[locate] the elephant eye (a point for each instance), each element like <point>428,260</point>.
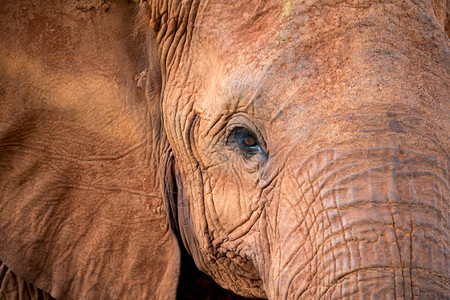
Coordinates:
<point>246,142</point>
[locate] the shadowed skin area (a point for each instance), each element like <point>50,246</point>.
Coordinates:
<point>279,149</point>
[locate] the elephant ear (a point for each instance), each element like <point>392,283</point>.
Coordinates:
<point>82,213</point>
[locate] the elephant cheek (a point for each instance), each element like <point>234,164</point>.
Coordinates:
<point>370,224</point>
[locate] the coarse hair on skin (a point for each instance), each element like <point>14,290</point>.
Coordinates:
<point>141,18</point>
<point>141,26</point>
<point>151,13</point>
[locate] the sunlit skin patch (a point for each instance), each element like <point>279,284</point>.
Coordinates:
<point>289,87</point>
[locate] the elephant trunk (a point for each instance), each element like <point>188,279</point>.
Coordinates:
<point>370,222</point>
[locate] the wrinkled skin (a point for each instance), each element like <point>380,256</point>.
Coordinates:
<point>295,149</point>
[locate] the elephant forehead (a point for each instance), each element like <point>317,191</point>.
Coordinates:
<point>272,51</point>
<point>286,54</point>
<point>256,26</point>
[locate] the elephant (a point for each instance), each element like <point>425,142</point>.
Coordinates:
<point>280,149</point>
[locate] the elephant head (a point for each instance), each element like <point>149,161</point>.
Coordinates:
<point>291,149</point>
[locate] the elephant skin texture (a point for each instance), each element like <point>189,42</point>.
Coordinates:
<point>278,149</point>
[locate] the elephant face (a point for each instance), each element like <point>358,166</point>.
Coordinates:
<point>292,149</point>
<point>302,159</point>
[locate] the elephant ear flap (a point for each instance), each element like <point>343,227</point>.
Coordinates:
<point>82,213</point>
<point>171,194</point>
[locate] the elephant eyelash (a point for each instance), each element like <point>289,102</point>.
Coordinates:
<point>246,142</point>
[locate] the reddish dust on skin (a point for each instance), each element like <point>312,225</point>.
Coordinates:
<point>118,179</point>
<point>334,77</point>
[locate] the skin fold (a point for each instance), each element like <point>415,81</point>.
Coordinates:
<point>224,149</point>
